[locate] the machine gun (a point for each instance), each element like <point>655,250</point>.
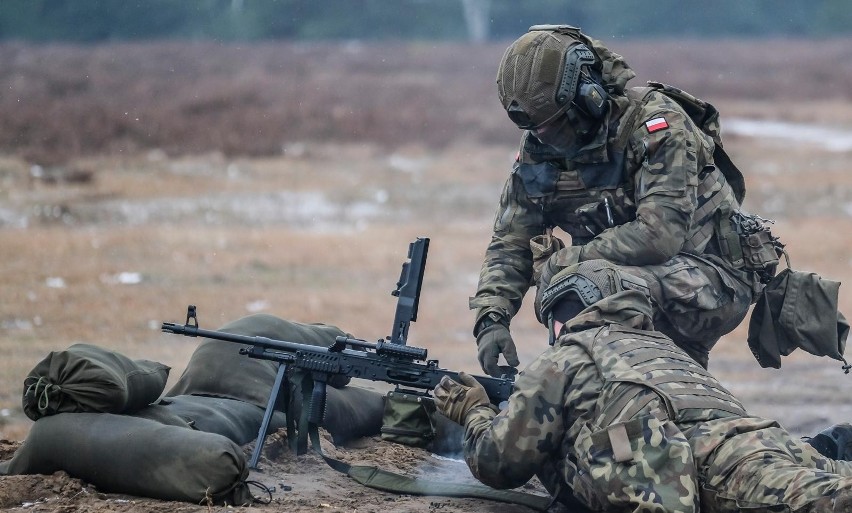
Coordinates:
<point>389,360</point>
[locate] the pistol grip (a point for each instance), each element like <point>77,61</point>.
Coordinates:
<point>317,412</point>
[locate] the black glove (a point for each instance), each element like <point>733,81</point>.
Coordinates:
<point>493,339</point>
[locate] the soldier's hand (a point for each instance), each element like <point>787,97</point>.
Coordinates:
<point>455,399</point>
<point>492,341</point>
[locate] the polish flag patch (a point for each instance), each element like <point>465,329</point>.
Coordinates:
<point>656,124</point>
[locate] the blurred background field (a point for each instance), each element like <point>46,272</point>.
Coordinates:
<point>288,177</point>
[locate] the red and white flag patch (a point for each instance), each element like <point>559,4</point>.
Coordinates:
<point>656,124</point>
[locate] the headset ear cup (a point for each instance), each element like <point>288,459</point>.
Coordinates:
<point>593,99</point>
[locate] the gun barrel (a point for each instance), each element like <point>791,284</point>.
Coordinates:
<point>262,342</point>
<point>177,329</point>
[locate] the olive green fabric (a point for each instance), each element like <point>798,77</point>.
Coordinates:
<point>88,378</point>
<point>217,368</point>
<point>236,420</point>
<point>135,456</point>
<point>408,419</point>
<point>797,310</point>
<point>352,412</point>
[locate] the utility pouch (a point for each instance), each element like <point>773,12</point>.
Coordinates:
<point>408,419</point>
<point>747,242</point>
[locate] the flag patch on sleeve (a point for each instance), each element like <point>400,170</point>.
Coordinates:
<point>656,124</point>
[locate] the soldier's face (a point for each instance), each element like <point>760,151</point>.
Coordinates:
<point>559,133</point>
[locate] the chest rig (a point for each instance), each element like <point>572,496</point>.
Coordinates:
<point>563,187</point>
<point>652,367</point>
<point>586,198</point>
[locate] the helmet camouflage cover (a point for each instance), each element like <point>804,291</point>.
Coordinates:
<point>533,83</point>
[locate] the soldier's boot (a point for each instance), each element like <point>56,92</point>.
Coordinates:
<point>834,442</point>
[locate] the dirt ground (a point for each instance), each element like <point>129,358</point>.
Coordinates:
<point>104,238</point>
<point>296,483</point>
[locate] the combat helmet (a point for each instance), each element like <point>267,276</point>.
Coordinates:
<point>579,286</point>
<point>556,69</point>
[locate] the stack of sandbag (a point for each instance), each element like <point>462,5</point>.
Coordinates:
<point>85,401</point>
<point>136,456</point>
<point>101,418</point>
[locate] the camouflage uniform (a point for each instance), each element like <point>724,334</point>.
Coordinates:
<point>616,417</point>
<point>643,193</point>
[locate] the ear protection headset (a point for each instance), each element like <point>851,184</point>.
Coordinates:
<point>582,87</point>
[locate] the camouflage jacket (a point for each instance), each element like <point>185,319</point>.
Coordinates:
<point>643,190</point>
<point>606,372</point>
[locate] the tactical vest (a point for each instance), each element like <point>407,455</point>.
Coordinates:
<point>583,199</point>
<point>660,370</point>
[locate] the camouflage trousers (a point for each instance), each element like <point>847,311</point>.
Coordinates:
<point>697,300</point>
<point>752,464</point>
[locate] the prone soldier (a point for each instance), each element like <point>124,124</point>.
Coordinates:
<point>616,417</point>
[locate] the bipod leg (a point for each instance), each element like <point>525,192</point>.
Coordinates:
<point>280,382</point>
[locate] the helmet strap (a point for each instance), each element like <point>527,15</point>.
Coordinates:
<point>551,328</point>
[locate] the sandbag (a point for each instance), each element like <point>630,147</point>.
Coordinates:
<point>88,378</point>
<point>217,369</point>
<point>236,420</point>
<point>135,456</point>
<point>352,413</point>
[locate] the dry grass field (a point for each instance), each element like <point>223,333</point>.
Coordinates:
<point>289,179</point>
